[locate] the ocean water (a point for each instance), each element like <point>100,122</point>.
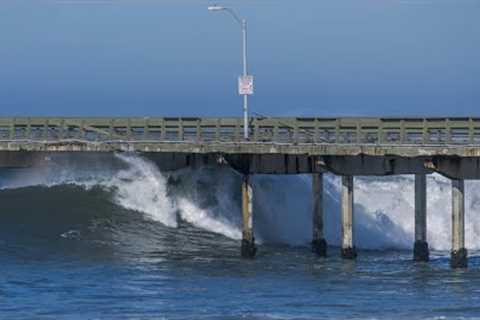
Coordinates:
<point>118,239</point>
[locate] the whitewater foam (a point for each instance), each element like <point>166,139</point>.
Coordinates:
<point>141,187</point>
<point>209,198</point>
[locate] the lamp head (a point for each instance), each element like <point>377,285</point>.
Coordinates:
<point>216,8</point>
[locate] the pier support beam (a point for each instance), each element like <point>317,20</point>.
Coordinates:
<point>319,245</point>
<point>248,249</point>
<point>420,248</point>
<point>348,249</point>
<point>459,253</point>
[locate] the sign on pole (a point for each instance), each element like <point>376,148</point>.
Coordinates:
<point>245,85</point>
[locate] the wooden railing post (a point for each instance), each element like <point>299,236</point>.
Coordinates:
<point>380,132</point>
<point>275,132</point>
<point>359,132</point>
<point>295,133</point>
<point>255,129</point>
<point>337,131</point>
<point>425,137</point>
<point>29,128</point>
<point>163,129</point>
<point>45,130</point>
<point>402,131</point>
<point>217,130</point>
<point>448,131</point>
<point>180,129</point>
<point>12,129</point>
<point>61,129</point>
<point>129,129</point>
<point>471,131</point>
<point>146,131</point>
<point>111,129</point>
<point>82,129</point>
<point>199,129</point>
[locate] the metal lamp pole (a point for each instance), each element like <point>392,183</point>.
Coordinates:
<point>245,82</point>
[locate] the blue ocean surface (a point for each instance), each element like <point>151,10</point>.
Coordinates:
<point>76,248</point>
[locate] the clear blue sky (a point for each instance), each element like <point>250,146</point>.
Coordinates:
<point>173,57</point>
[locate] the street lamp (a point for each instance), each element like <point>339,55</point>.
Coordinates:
<point>245,82</point>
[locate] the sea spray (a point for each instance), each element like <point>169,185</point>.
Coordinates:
<point>143,188</point>
<point>209,198</point>
<point>206,198</point>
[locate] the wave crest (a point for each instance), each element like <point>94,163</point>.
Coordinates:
<point>209,198</point>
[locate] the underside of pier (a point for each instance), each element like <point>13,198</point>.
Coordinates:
<point>451,166</point>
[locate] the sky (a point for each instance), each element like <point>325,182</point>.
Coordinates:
<point>175,58</point>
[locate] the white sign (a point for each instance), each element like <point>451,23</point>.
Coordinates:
<point>245,85</point>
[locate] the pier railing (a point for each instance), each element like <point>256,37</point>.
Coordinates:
<point>434,131</point>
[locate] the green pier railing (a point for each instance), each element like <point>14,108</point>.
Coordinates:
<point>434,131</point>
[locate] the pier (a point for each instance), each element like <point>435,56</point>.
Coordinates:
<point>347,147</point>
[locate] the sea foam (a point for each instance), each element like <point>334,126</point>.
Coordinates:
<point>209,198</point>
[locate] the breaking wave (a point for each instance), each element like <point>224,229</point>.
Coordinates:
<point>208,198</point>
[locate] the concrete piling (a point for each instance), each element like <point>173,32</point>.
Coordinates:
<point>420,248</point>
<point>248,249</point>
<point>319,244</point>
<point>348,249</point>
<point>458,253</point>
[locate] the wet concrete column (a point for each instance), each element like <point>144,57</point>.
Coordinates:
<point>420,248</point>
<point>248,249</point>
<point>459,253</point>
<point>348,249</point>
<point>319,245</point>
